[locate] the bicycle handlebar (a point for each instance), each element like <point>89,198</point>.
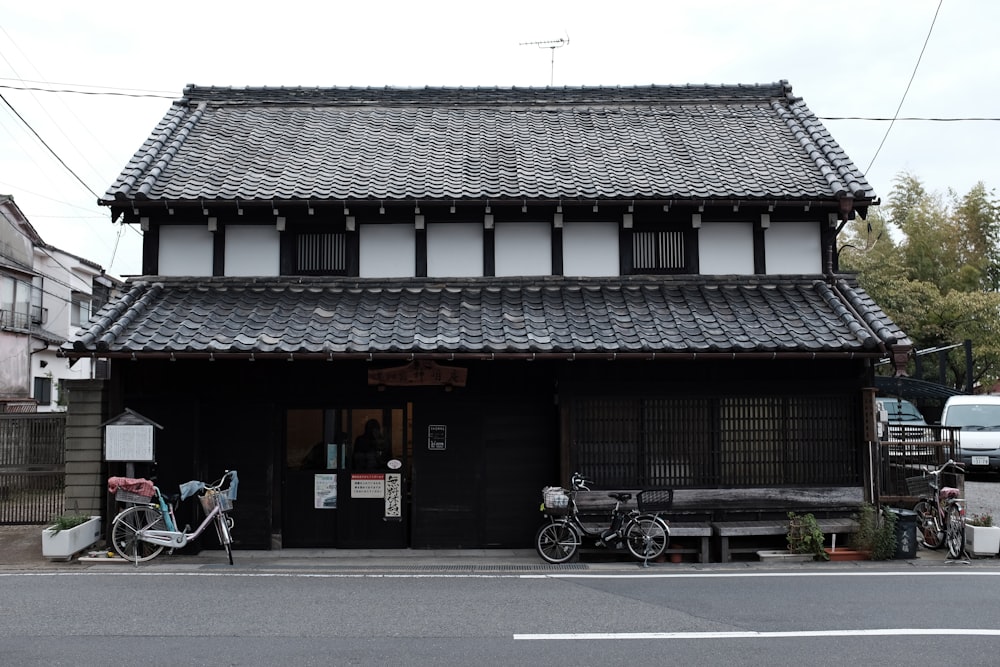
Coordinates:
<point>580,483</point>
<point>950,462</point>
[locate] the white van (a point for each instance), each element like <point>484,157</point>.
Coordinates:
<point>978,417</point>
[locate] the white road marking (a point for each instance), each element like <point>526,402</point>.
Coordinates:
<point>140,572</point>
<point>874,632</point>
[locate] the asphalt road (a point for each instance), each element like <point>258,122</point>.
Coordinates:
<point>214,617</point>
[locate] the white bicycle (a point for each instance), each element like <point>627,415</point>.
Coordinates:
<point>141,532</point>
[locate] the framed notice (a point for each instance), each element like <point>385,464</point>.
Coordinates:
<point>437,437</point>
<point>325,491</point>
<point>128,442</point>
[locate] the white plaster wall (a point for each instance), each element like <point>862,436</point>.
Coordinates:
<point>387,251</point>
<point>185,250</point>
<point>523,248</point>
<point>725,248</point>
<point>793,248</point>
<point>590,249</point>
<point>455,249</point>
<point>252,250</point>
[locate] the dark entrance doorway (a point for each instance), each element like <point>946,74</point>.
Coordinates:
<point>346,477</point>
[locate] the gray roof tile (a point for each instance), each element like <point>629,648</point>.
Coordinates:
<point>617,315</point>
<point>676,142</point>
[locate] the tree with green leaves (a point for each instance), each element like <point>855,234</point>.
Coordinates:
<point>933,264</point>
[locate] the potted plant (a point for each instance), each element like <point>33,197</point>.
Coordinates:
<point>875,538</point>
<point>70,534</point>
<point>982,538</point>
<point>805,536</point>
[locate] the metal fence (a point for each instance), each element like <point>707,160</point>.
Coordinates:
<point>32,467</point>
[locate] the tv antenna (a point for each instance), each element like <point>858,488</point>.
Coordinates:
<point>551,45</point>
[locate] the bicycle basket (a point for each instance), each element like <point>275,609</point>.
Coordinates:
<point>123,496</point>
<point>919,486</point>
<point>555,499</point>
<point>212,498</point>
<point>654,500</point>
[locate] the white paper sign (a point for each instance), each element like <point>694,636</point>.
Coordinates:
<point>128,442</point>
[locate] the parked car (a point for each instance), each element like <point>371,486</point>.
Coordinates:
<point>905,420</point>
<point>907,424</point>
<point>978,418</point>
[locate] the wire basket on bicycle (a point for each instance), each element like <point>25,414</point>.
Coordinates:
<point>216,495</point>
<point>557,500</point>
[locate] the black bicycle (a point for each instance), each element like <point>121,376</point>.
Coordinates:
<point>641,531</point>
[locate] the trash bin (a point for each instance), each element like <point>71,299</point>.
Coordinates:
<point>906,533</point>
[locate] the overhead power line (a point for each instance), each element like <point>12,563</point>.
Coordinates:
<point>49,148</point>
<point>165,96</point>
<point>909,83</point>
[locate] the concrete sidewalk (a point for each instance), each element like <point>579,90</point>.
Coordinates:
<point>20,549</point>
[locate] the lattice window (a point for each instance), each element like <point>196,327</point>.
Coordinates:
<point>715,441</point>
<point>321,253</point>
<point>660,251</point>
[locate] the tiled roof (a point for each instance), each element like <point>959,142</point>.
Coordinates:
<point>651,142</point>
<point>502,316</point>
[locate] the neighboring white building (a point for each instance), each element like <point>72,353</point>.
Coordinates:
<point>46,295</point>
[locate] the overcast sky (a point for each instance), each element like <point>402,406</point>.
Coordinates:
<point>846,59</point>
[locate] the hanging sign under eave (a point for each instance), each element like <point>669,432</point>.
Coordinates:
<point>419,373</point>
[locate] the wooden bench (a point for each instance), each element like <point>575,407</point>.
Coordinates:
<point>727,530</point>
<point>735,516</point>
<point>701,531</point>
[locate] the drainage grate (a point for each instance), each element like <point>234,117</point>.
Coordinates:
<point>531,568</point>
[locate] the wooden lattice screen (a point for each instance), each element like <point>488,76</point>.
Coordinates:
<point>741,441</point>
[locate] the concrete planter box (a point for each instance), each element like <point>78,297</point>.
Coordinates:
<point>982,540</point>
<point>783,556</point>
<point>64,543</point>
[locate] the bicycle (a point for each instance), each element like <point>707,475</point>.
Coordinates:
<point>141,532</point>
<point>940,511</point>
<point>641,530</point>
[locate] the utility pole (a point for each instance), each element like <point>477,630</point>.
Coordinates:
<point>551,45</point>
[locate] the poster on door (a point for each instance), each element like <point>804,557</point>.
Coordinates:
<point>325,491</point>
<point>367,485</point>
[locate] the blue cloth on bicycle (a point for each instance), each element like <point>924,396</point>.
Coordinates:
<point>189,489</point>
<point>234,481</point>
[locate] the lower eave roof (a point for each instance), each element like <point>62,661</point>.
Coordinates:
<point>488,318</point>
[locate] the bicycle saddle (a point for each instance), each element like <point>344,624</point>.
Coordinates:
<point>621,497</point>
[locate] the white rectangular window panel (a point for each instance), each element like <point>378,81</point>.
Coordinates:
<point>455,249</point>
<point>185,250</point>
<point>387,251</point>
<point>252,250</point>
<point>725,248</point>
<point>590,249</point>
<point>523,248</point>
<point>793,248</point>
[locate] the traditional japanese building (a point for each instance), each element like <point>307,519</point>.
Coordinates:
<point>401,312</point>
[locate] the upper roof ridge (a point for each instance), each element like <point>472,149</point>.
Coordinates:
<point>526,95</point>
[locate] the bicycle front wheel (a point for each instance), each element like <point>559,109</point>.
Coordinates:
<point>647,537</point>
<point>557,542</point>
<point>125,528</point>
<point>954,531</point>
<point>222,525</point>
<point>929,530</point>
